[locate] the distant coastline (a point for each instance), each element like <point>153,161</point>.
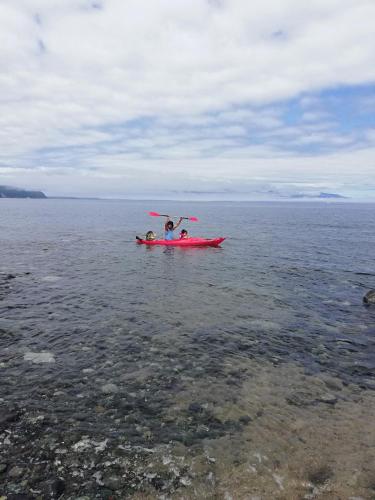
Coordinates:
<point>13,192</point>
<point>274,196</point>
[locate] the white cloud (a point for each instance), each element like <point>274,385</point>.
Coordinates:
<point>172,85</point>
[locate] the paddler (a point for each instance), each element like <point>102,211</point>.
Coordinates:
<point>169,227</point>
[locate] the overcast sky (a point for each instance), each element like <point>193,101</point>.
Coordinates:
<point>188,98</point>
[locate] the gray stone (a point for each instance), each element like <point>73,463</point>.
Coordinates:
<point>245,419</point>
<point>300,399</point>
<point>15,472</point>
<point>328,398</point>
<point>9,415</point>
<point>56,488</point>
<point>112,482</point>
<point>109,388</point>
<point>39,357</point>
<point>332,383</point>
<point>195,408</point>
<point>3,468</point>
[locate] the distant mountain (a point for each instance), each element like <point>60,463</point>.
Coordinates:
<point>12,192</point>
<point>323,196</point>
<point>331,195</point>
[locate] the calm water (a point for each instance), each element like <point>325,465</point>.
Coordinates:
<point>201,373</point>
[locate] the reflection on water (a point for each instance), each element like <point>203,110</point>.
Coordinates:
<point>240,372</point>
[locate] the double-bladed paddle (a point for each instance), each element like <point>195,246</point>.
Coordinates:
<point>155,214</point>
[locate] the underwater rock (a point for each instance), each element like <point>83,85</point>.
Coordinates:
<point>56,488</point>
<point>39,357</point>
<point>328,398</point>
<point>110,388</point>
<point>245,419</point>
<point>9,415</point>
<point>195,408</point>
<point>15,472</point>
<point>369,298</point>
<point>320,475</point>
<point>113,482</point>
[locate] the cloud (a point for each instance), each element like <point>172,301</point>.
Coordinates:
<point>135,90</point>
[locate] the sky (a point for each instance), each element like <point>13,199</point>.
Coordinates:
<point>188,99</point>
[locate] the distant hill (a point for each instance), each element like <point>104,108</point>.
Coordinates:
<point>12,192</point>
<point>331,195</point>
<point>323,196</point>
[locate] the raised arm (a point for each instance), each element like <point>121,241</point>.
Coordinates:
<point>166,222</point>
<point>178,223</point>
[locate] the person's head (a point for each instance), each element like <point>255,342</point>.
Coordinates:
<point>184,233</point>
<point>170,225</point>
<point>150,235</point>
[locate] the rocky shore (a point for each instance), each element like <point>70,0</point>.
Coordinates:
<point>153,421</point>
<point>258,440</point>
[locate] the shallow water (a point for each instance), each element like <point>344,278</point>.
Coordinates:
<point>245,371</point>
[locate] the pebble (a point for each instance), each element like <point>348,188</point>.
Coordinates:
<point>39,357</point>
<point>57,488</point>
<point>110,388</point>
<point>9,416</point>
<point>300,399</point>
<point>332,383</point>
<point>15,472</point>
<point>195,408</point>
<point>59,393</point>
<point>88,370</point>
<point>185,481</point>
<point>3,468</point>
<point>328,398</point>
<point>112,482</point>
<point>245,419</point>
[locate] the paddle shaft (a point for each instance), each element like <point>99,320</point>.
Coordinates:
<point>173,216</point>
<point>156,214</point>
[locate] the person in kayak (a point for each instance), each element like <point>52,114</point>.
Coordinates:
<point>169,227</point>
<point>184,234</point>
<point>150,236</point>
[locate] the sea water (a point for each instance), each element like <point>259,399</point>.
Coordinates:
<point>245,371</point>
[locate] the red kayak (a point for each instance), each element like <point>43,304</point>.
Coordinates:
<point>186,242</point>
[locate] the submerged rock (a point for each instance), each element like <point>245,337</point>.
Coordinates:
<point>39,357</point>
<point>8,416</point>
<point>53,488</point>
<point>110,388</point>
<point>113,482</point>
<point>328,398</point>
<point>195,408</point>
<point>369,298</point>
<point>15,472</point>
<point>245,419</point>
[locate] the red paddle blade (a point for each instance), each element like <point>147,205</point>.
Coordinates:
<point>193,219</point>
<point>154,214</point>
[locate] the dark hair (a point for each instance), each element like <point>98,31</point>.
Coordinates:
<point>183,231</point>
<point>150,235</point>
<point>170,224</point>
